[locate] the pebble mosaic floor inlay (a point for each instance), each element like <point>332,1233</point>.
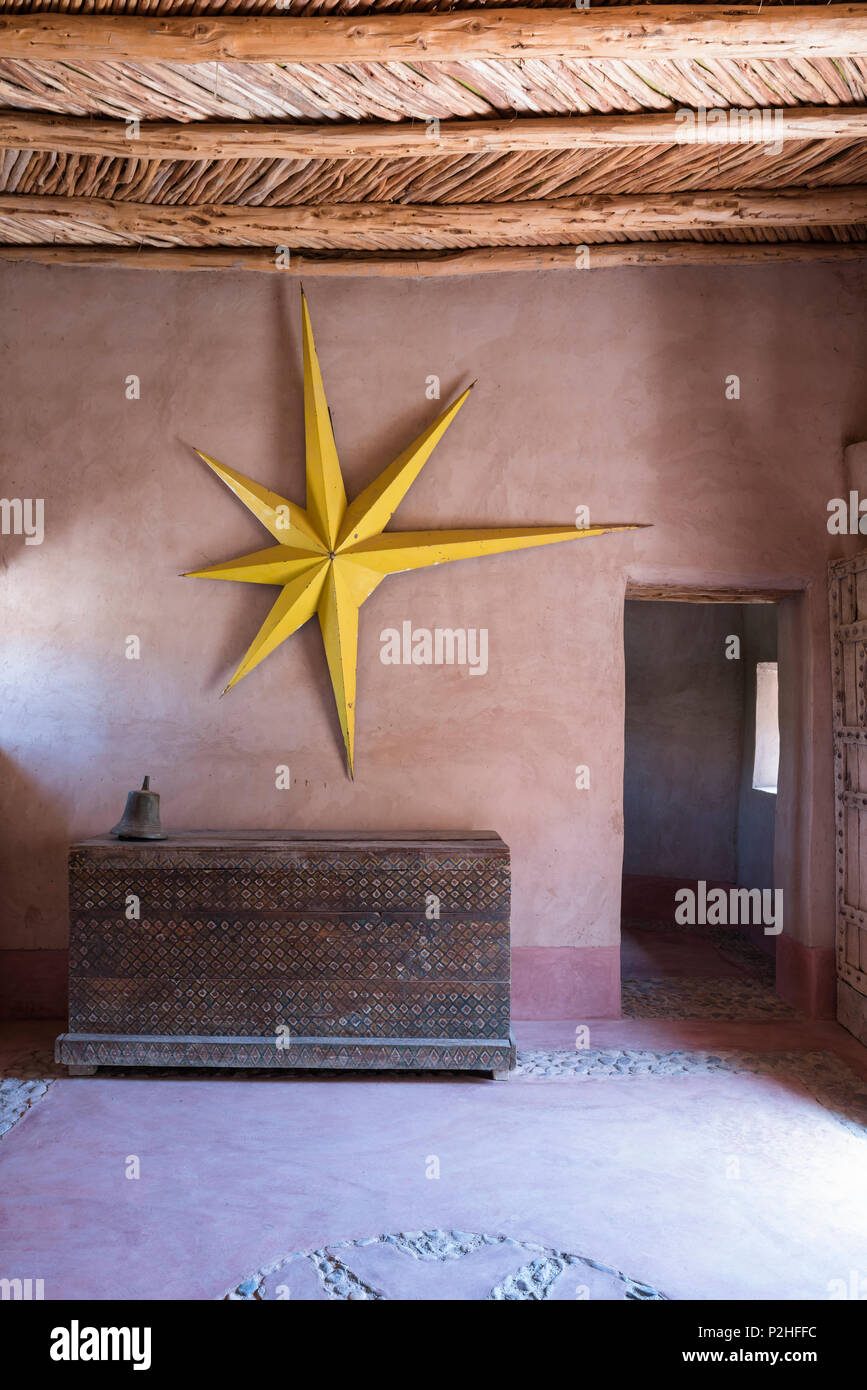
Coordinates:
<point>446,1265</point>
<point>27,1075</point>
<point>17,1096</point>
<point>834,1085</point>
<point>747,1000</point>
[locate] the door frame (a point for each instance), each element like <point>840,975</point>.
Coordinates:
<point>797,974</point>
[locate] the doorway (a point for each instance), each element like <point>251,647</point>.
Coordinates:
<point>701,914</point>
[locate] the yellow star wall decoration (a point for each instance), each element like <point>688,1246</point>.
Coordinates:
<point>331,556</point>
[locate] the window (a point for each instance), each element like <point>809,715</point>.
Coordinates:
<point>767,758</point>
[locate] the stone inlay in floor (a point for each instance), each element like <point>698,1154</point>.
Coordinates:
<point>834,1085</point>
<point>17,1095</point>
<point>439,1265</point>
<point>26,1075</point>
<point>745,1000</point>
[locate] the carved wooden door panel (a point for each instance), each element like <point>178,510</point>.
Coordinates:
<point>848,598</point>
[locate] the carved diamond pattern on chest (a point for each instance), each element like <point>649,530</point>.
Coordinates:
<point>321,882</point>
<point>290,950</point>
<point>309,948</point>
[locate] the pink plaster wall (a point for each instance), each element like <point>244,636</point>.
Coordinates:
<point>602,388</point>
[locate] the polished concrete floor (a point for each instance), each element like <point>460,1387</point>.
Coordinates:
<point>679,1158</point>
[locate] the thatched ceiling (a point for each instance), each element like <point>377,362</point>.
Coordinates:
<point>81,181</point>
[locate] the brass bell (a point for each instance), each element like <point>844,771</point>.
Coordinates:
<point>141,817</point>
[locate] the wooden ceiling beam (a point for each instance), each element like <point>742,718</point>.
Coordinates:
<point>694,593</point>
<point>432,226</point>
<point>426,265</point>
<point>647,31</point>
<point>25,130</point>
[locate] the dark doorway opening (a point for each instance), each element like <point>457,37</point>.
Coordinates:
<point>700,914</point>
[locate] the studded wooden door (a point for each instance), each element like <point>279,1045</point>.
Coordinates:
<point>848,597</point>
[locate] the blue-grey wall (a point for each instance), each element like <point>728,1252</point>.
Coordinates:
<point>689,808</point>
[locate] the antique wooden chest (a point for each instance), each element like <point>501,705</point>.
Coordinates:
<point>290,949</point>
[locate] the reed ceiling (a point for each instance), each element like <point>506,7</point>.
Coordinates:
<point>79,179</point>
